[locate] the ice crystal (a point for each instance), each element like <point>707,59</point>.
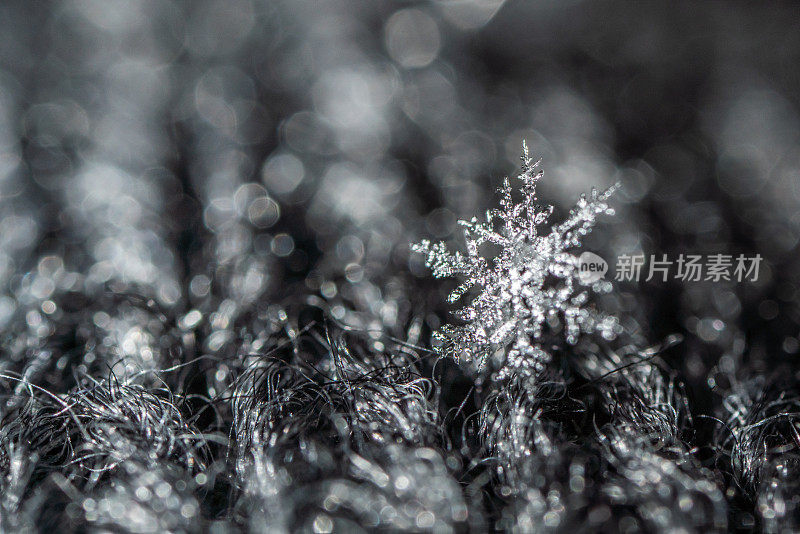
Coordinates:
<point>527,291</point>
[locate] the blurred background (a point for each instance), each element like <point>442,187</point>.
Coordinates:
<point>224,155</point>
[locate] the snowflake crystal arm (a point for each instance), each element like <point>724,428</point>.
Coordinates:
<point>530,284</point>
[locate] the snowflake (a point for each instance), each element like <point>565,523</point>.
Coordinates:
<point>528,290</point>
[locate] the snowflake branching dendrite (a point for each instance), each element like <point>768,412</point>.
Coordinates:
<point>532,282</point>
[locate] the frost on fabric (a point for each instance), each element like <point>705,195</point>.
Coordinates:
<point>344,442</point>
<point>760,436</point>
<point>529,288</point>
